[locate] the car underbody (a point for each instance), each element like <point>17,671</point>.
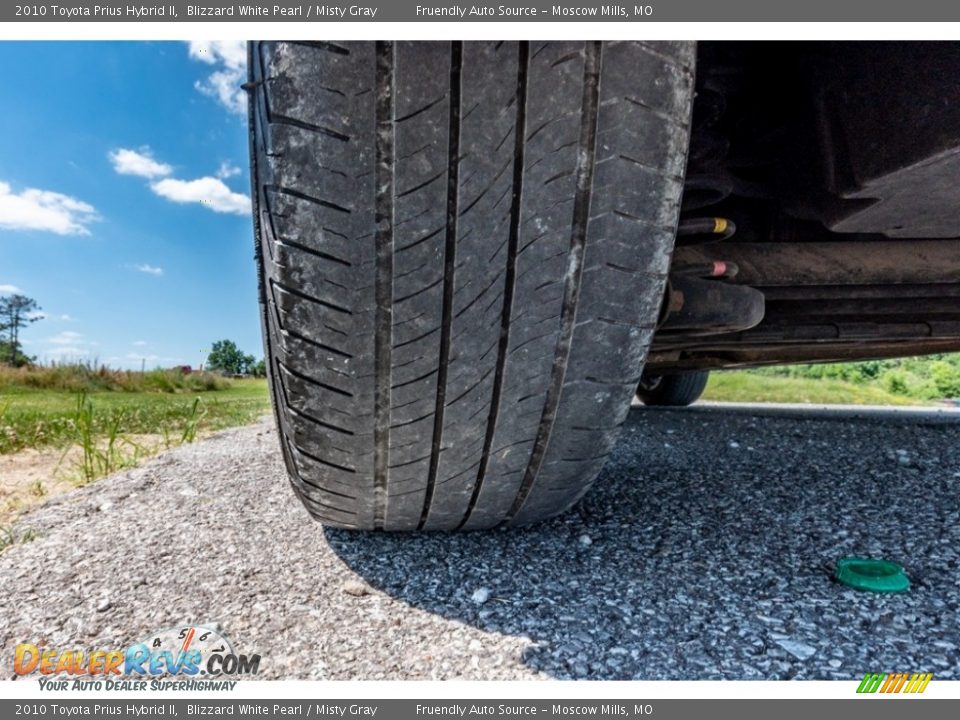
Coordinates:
<point>821,210</point>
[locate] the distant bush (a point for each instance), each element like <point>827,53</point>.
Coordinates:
<point>946,379</point>
<point>924,378</point>
<point>91,377</point>
<point>895,382</point>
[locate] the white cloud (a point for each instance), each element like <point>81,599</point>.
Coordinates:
<point>37,315</point>
<point>149,269</point>
<point>154,359</point>
<point>210,192</point>
<point>67,337</point>
<point>223,84</point>
<point>140,343</point>
<point>68,346</point>
<point>227,170</point>
<point>232,53</point>
<point>66,318</point>
<point>12,289</point>
<point>141,164</point>
<point>66,353</point>
<point>35,209</point>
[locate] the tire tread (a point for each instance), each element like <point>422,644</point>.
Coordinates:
<point>459,268</point>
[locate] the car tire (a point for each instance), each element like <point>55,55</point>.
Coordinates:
<point>673,390</point>
<point>462,251</point>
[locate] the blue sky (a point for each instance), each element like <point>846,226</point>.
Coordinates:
<point>124,199</point>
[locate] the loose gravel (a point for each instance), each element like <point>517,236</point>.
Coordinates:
<point>705,550</point>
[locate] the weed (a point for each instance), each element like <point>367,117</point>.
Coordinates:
<point>102,452</point>
<point>9,537</point>
<point>85,434</point>
<point>191,422</point>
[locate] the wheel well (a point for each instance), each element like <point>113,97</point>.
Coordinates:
<point>837,163</point>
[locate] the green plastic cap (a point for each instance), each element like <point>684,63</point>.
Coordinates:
<point>872,574</point>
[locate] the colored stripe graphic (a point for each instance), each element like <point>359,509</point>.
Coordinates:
<point>918,683</point>
<point>871,682</point>
<point>914,683</point>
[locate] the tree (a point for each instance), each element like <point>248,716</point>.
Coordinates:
<point>16,312</point>
<point>227,358</point>
<point>259,368</point>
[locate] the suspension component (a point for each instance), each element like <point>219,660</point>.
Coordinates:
<point>874,262</point>
<point>695,231</point>
<point>694,306</point>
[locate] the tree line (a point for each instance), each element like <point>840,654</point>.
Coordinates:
<point>16,312</point>
<point>227,358</point>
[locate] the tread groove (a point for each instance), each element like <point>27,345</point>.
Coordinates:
<point>422,290</point>
<point>313,251</point>
<point>665,116</point>
<point>422,185</point>
<point>415,380</point>
<point>314,343</point>
<point>311,298</point>
<point>473,387</point>
<point>477,297</point>
<point>422,109</point>
<point>314,381</point>
<point>383,286</point>
<point>449,270</point>
<point>284,399</point>
<point>513,240</point>
<point>276,119</point>
<point>571,292</point>
<point>413,340</point>
<point>321,461</point>
<point>421,240</point>
<point>308,198</point>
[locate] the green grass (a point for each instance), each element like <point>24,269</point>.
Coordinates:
<point>93,377</point>
<point>10,536</point>
<point>744,386</point>
<point>88,422</point>
<point>38,417</point>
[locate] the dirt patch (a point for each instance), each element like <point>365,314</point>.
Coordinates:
<point>30,477</point>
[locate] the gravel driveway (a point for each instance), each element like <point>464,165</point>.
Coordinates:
<point>704,551</point>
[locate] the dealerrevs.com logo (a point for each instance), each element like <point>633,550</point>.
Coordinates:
<point>189,657</point>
